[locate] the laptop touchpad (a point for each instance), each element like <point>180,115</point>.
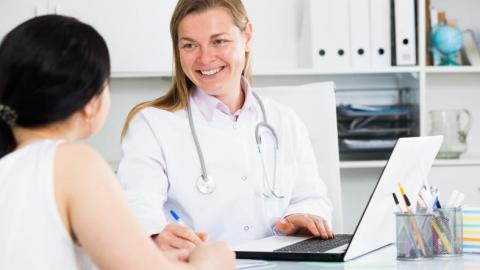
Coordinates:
<point>270,243</point>
<point>339,250</point>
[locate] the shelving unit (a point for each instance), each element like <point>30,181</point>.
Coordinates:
<point>452,69</point>
<point>141,65</point>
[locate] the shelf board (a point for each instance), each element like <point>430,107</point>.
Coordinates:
<point>362,164</point>
<point>464,161</point>
<point>452,69</point>
<point>299,72</point>
<point>283,72</point>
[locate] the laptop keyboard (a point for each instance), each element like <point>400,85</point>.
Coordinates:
<point>317,245</point>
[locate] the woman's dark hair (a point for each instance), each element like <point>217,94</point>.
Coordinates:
<point>50,67</point>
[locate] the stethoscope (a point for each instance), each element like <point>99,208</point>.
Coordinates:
<point>205,183</point>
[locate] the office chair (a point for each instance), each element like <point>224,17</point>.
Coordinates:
<point>315,105</point>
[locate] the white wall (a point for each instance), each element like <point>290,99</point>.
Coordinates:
<point>125,94</point>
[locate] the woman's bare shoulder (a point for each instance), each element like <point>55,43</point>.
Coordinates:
<point>78,160</point>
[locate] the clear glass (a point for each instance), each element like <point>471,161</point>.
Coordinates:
<point>414,236</point>
<point>447,230</point>
<point>454,125</point>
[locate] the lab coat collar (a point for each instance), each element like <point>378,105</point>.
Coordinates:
<point>208,104</point>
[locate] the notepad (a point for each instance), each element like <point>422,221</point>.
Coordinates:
<point>471,229</point>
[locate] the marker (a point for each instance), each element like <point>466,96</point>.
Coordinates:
<point>397,202</point>
<point>177,218</point>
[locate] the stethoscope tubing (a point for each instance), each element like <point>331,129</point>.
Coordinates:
<point>205,183</point>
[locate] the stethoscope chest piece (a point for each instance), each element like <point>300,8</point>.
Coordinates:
<point>205,185</point>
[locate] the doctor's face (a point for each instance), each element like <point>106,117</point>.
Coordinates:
<point>212,50</point>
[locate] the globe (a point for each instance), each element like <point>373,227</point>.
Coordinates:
<point>448,40</point>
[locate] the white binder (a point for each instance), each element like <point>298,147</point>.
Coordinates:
<point>404,30</point>
<point>359,33</point>
<point>380,46</point>
<point>324,36</point>
<point>314,51</point>
<point>470,48</point>
<point>340,34</point>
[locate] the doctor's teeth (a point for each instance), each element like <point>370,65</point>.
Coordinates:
<point>210,71</point>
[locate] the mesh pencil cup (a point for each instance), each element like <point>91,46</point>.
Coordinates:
<point>414,236</point>
<point>447,230</point>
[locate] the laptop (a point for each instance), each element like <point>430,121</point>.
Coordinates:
<point>409,164</point>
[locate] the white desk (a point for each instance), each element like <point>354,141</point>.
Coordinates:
<point>383,259</point>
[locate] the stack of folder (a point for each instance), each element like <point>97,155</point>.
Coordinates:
<point>351,34</point>
<point>471,229</point>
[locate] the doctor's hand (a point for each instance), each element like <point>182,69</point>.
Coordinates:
<point>304,224</point>
<point>176,236</point>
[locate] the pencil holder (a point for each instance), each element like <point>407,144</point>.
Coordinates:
<point>414,236</point>
<point>447,231</point>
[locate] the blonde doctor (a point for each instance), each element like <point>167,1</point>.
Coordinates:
<point>234,166</point>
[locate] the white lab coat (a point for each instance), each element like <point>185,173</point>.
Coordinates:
<point>160,167</point>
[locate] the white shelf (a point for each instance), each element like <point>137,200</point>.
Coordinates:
<point>285,72</point>
<point>299,72</point>
<point>467,161</point>
<point>362,164</point>
<point>313,72</point>
<point>452,69</point>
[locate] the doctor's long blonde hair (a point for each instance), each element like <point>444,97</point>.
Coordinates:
<point>177,96</point>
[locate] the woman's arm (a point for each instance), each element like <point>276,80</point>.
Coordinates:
<point>309,209</point>
<point>95,213</point>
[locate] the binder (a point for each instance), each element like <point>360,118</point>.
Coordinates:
<point>404,32</point>
<point>436,57</point>
<point>470,48</point>
<point>340,34</point>
<point>314,50</point>
<point>380,46</point>
<point>360,33</point>
<point>324,38</point>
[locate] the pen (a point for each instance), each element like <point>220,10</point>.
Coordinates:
<point>451,200</point>
<point>458,200</point>
<point>177,218</point>
<point>437,203</point>
<point>441,227</point>
<point>412,221</point>
<point>412,239</point>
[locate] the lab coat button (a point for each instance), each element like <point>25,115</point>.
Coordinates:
<point>246,228</point>
<point>244,178</point>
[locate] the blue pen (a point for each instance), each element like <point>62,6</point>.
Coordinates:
<point>177,218</point>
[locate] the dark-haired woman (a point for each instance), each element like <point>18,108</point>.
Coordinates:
<point>57,195</point>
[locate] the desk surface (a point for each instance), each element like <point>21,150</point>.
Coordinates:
<point>381,259</point>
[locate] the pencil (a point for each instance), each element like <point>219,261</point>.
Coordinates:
<point>409,232</point>
<point>418,235</point>
<point>442,237</point>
